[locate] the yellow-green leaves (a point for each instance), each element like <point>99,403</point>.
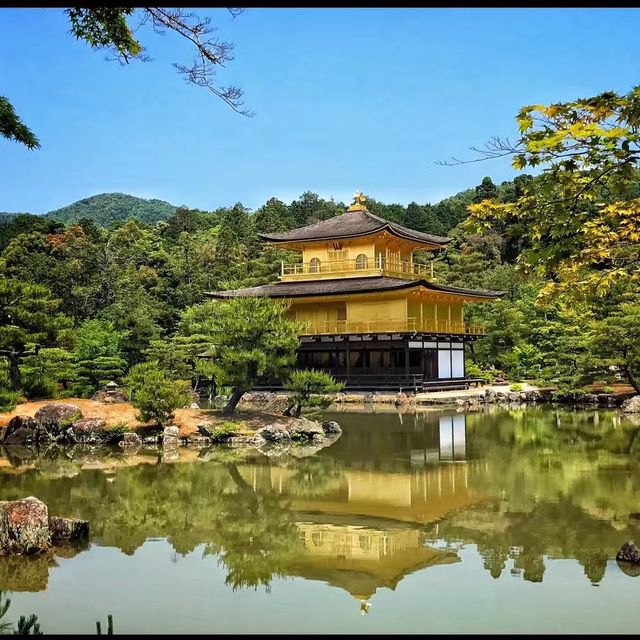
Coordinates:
<point>579,218</point>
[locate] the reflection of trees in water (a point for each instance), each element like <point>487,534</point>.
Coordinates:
<point>564,484</point>
<point>553,529</point>
<point>248,524</point>
<point>561,484</point>
<point>313,477</point>
<point>254,534</point>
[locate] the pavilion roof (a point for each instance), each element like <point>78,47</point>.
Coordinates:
<point>352,224</point>
<point>346,286</point>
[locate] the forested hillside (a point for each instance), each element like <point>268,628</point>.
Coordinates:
<point>106,208</point>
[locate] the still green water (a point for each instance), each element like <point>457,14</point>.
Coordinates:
<point>507,521</point>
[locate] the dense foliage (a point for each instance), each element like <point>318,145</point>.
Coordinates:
<point>578,224</point>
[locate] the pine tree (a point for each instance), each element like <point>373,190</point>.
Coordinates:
<point>29,319</point>
<point>250,338</point>
<point>486,190</point>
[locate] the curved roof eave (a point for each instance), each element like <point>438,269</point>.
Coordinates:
<point>341,287</point>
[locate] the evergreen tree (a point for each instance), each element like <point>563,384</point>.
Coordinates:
<point>273,216</point>
<point>250,338</point>
<point>486,190</point>
<point>98,356</point>
<point>29,319</point>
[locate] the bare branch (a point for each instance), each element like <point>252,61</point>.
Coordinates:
<point>496,147</point>
<point>211,51</point>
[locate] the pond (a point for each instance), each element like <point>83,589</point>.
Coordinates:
<point>488,522</point>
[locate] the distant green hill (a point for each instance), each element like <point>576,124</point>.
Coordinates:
<point>107,208</point>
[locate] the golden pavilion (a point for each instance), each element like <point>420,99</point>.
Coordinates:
<point>373,317</point>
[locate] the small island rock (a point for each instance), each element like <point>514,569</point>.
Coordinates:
<point>68,529</point>
<point>24,527</point>
<point>629,552</point>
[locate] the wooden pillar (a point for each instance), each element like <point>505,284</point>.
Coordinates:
<point>348,356</point>
<point>406,357</point>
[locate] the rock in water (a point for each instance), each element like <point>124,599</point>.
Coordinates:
<point>330,426</point>
<point>304,429</point>
<point>130,443</point>
<point>631,405</point>
<point>196,440</point>
<point>24,527</point>
<point>55,414</point>
<point>21,430</point>
<point>273,433</point>
<point>170,437</point>
<point>629,552</point>
<point>68,529</point>
<point>130,439</point>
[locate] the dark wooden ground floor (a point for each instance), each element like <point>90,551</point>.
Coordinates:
<point>412,362</point>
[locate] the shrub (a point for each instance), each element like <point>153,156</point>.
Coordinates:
<point>607,389</point>
<point>118,428</point>
<point>307,385</point>
<point>9,399</point>
<point>154,393</point>
<point>224,430</point>
<point>39,387</point>
<point>475,371</point>
<point>67,422</point>
<point>516,386</point>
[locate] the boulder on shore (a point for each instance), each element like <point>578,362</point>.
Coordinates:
<point>21,430</point>
<point>88,431</point>
<point>68,529</point>
<point>629,552</point>
<point>171,437</point>
<point>631,405</point>
<point>24,527</point>
<point>55,416</point>
<point>304,429</point>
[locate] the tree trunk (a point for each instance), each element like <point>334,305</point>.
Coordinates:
<point>15,380</point>
<point>293,410</point>
<point>473,352</point>
<point>633,381</point>
<point>241,483</point>
<point>238,392</point>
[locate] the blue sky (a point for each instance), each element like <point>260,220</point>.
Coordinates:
<point>345,99</point>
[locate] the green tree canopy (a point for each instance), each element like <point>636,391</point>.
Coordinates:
<point>250,338</point>
<point>29,319</point>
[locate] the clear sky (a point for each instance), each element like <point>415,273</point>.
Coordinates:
<point>345,99</point>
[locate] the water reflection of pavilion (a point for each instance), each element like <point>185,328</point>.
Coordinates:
<point>365,530</point>
<point>452,443</point>
<point>361,559</point>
